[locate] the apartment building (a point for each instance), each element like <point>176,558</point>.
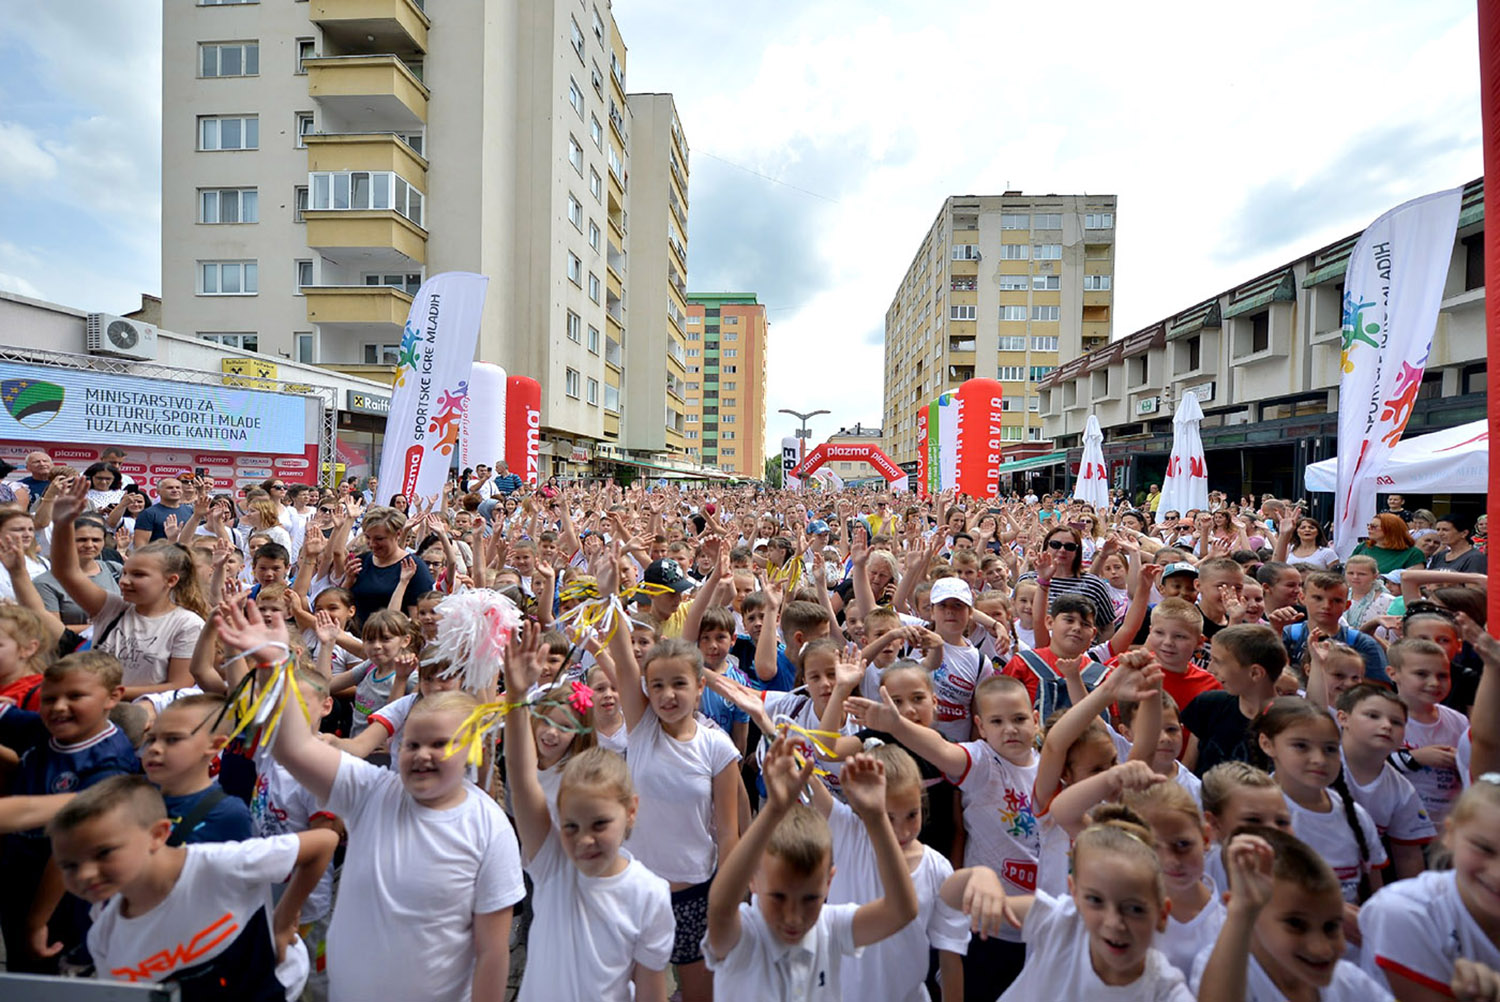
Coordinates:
<point>726,382</point>
<point>1263,359</point>
<point>1003,287</point>
<point>301,140</point>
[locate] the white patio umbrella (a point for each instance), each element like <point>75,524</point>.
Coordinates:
<point>1186,483</point>
<point>1093,475</point>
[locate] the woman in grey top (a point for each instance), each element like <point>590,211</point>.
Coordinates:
<point>88,537</point>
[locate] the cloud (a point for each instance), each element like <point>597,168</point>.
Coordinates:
<point>22,158</point>
<point>19,285</point>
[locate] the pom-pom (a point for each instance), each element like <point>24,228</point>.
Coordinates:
<point>474,629</point>
<point>581,699</point>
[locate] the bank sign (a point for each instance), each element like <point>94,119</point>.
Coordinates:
<point>65,405</point>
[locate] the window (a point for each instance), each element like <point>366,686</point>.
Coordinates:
<point>1095,283</point>
<point>731,352</point>
<point>1046,283</point>
<point>597,79</point>
<point>235,59</point>
<point>726,452</point>
<point>1047,221</point>
<point>577,38</point>
<point>593,339</point>
<point>730,370</point>
<point>575,327</point>
<point>1040,372</point>
<point>571,379</point>
<point>1034,403</point>
<point>1047,252</point>
<point>307,48</point>
<point>223,3</point>
<point>382,354</point>
<point>596,132</point>
<point>727,435</point>
<point>596,185</point>
<point>1260,333</point>
<point>359,189</point>
<point>694,352</point>
<point>962,284</point>
<point>726,419</point>
<point>1044,343</point>
<point>1034,434</point>
<point>1046,312</point>
<point>691,419</point>
<point>575,155</point>
<point>593,395</point>
<point>304,127</point>
<point>408,284</point>
<point>245,342</point>
<point>575,212</point>
<point>961,312</point>
<point>1010,433</point>
<point>229,133</point>
<point>1014,283</point>
<point>731,335</point>
<point>575,97</point>
<point>228,278</point>
<point>1015,221</point>
<point>575,270</point>
<point>1013,343</point>
<point>302,346</point>
<point>228,205</point>
<point>594,235</point>
<point>1011,373</point>
<point>299,204</point>
<point>965,252</point>
<point>1015,252</point>
<point>303,270</point>
<point>598,25</point>
<point>593,287</point>
<point>731,386</point>
<point>1098,220</point>
<point>1012,313</point>
<point>415,140</point>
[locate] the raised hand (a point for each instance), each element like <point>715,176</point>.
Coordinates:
<point>785,779</point>
<point>169,526</point>
<point>881,716</point>
<point>1132,775</point>
<point>1248,860</point>
<point>243,629</point>
<point>984,902</point>
<point>71,502</point>
<point>12,556</point>
<point>352,566</point>
<point>408,568</point>
<point>863,783</point>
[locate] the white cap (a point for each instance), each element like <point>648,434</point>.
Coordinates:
<point>946,588</point>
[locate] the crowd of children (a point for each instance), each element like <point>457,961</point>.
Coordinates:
<point>743,745</point>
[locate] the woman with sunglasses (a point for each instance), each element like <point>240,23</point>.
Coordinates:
<point>1063,547</point>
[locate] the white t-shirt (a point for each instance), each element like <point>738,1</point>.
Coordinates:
<point>1328,832</point>
<point>953,690</point>
<point>1350,984</point>
<point>413,880</point>
<point>1417,928</point>
<point>1322,558</point>
<point>1183,941</point>
<point>1393,805</point>
<point>1183,776</point>
<point>1440,786</point>
<point>674,825</point>
<point>215,922</point>
<point>589,932</point>
<point>886,970</point>
<point>762,967</point>
<point>283,806</point>
<point>1058,964</point>
<point>618,742</point>
<point>1003,834</point>
<point>371,693</point>
<point>144,644</point>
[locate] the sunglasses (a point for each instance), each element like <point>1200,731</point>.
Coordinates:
<point>1058,544</point>
<point>325,511</point>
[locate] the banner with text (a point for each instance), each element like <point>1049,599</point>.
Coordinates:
<point>1392,292</point>
<point>432,379</point>
<point>48,404</point>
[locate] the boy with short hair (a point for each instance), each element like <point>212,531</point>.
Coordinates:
<point>882,647</point>
<point>69,746</point>
<point>788,945</point>
<point>1220,580</point>
<point>1175,635</point>
<point>268,565</point>
<point>1326,597</point>
<point>1247,661</point>
<point>1179,580</point>
<point>1423,677</point>
<point>199,916</point>
<point>777,666</point>
<point>178,757</point>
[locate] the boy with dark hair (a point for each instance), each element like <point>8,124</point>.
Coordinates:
<point>1326,596</point>
<point>178,756</point>
<point>1247,661</point>
<point>268,565</point>
<point>777,666</point>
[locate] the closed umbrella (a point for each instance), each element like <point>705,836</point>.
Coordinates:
<point>1186,483</point>
<point>1093,475</point>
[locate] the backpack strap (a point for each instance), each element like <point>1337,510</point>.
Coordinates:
<point>109,628</point>
<point>194,818</point>
<point>1049,683</point>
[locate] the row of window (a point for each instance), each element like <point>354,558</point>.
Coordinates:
<point>1041,313</point>
<point>1019,373</point>
<point>359,189</point>
<point>1018,343</point>
<point>572,379</point>
<point>1053,221</point>
<point>242,278</point>
<point>574,327</point>
<point>1041,283</point>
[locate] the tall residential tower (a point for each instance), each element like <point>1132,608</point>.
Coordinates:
<point>726,336</point>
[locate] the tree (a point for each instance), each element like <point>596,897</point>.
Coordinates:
<point>773,471</point>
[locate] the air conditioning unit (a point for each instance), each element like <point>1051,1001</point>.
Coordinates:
<point>110,335</point>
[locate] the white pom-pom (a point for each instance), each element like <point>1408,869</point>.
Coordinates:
<point>474,628</point>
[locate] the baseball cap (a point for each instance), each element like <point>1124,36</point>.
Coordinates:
<point>666,572</point>
<point>816,526</point>
<point>1180,567</point>
<point>946,588</point>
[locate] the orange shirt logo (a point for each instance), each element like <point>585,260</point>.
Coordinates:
<point>166,961</point>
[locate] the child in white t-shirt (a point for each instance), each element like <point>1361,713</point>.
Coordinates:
<point>1372,721</point>
<point>432,869</point>
<point>1423,677</point>
<point>1181,844</point>
<point>787,944</point>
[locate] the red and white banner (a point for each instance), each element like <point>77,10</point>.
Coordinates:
<point>432,379</point>
<point>976,439</point>
<point>1392,292</point>
<point>523,427</point>
<point>1185,486</point>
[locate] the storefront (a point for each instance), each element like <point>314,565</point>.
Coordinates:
<point>361,434</point>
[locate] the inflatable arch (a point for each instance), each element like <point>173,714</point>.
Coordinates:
<point>895,477</point>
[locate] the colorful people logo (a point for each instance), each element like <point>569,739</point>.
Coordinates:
<point>448,420</point>
<point>1397,410</point>
<point>1355,330</point>
<point>406,359</point>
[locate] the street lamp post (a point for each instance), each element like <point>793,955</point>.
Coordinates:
<point>804,431</point>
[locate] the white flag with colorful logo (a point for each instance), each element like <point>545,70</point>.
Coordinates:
<point>432,380</point>
<point>1392,291</point>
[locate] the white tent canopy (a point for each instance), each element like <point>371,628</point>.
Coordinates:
<point>1452,461</point>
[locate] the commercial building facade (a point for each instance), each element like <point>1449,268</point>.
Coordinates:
<point>726,382</point>
<point>1002,287</point>
<point>1263,358</point>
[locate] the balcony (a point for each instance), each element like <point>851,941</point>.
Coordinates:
<point>365,312</point>
<point>368,239</point>
<point>380,151</point>
<point>616,260</point>
<point>613,355</point>
<point>961,344</point>
<point>674,350</point>
<point>614,307</point>
<point>381,25</point>
<point>368,93</point>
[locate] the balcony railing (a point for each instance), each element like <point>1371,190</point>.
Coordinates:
<point>612,352</point>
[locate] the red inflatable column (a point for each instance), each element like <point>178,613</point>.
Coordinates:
<point>979,437</point>
<point>523,427</point>
<point>1489,102</point>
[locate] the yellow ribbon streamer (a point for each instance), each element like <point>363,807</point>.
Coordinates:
<point>486,717</point>
<point>249,708</point>
<point>814,738</point>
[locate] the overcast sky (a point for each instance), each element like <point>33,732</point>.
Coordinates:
<point>1236,136</point>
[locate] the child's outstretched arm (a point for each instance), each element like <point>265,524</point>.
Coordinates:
<point>1069,809</point>
<point>1248,860</point>
<point>863,780</point>
<point>528,800</point>
<point>311,763</point>
<point>924,741</point>
<point>1485,741</point>
<point>719,549</point>
<point>1135,614</point>
<point>848,674</point>
<point>784,782</point>
<point>315,852</point>
<point>1125,682</point>
<point>765,644</point>
<point>1146,731</point>
<point>978,893</point>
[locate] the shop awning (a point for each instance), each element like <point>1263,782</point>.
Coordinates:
<point>1034,463</point>
<point>673,472</point>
